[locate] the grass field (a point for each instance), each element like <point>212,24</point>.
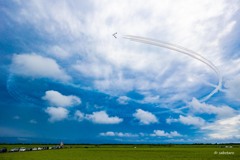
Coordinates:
<point>126,152</point>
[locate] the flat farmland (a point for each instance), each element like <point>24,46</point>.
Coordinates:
<point>126,152</point>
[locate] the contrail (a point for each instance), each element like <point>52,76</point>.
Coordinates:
<point>185,51</point>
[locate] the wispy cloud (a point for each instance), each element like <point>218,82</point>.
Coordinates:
<point>233,87</point>
<point>221,111</point>
<point>75,47</point>
<point>226,128</point>
<point>119,65</point>
<point>188,120</point>
<point>79,116</point>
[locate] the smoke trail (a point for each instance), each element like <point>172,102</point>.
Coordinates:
<point>185,51</point>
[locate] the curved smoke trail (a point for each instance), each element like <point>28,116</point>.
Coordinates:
<point>185,51</point>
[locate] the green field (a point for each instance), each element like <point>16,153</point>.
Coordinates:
<point>126,152</point>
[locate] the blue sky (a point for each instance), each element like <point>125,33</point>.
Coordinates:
<point>64,77</point>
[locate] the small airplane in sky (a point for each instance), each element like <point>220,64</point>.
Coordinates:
<point>115,35</point>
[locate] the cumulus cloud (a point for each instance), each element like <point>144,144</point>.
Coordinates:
<point>102,117</point>
<point>187,120</point>
<point>37,66</point>
<point>226,128</point>
<point>117,134</point>
<point>222,111</point>
<point>145,117</point>
<point>55,98</point>
<point>57,113</point>
<point>162,133</point>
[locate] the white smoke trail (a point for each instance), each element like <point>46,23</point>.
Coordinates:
<point>185,51</point>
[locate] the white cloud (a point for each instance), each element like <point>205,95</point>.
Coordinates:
<point>190,120</point>
<point>37,66</point>
<point>79,115</point>
<point>187,120</point>
<point>123,100</point>
<point>57,99</point>
<point>110,58</point>
<point>145,117</point>
<point>222,111</point>
<point>109,133</point>
<point>56,113</point>
<point>61,102</point>
<point>115,86</point>
<point>162,133</point>
<point>117,134</point>
<point>58,52</point>
<point>102,117</point>
<point>151,99</point>
<point>32,121</point>
<point>226,30</point>
<point>119,66</point>
<point>233,88</point>
<point>93,70</point>
<point>174,28</point>
<point>171,120</point>
<point>226,128</point>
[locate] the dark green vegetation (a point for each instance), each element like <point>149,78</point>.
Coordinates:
<point>126,152</point>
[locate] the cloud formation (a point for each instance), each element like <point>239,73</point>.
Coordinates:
<point>121,70</point>
<point>188,120</point>
<point>71,49</point>
<point>56,113</point>
<point>123,100</point>
<point>227,128</point>
<point>102,117</point>
<point>162,133</point>
<point>37,66</point>
<point>79,116</point>
<point>55,98</point>
<point>145,117</point>
<point>117,134</point>
<point>222,111</point>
